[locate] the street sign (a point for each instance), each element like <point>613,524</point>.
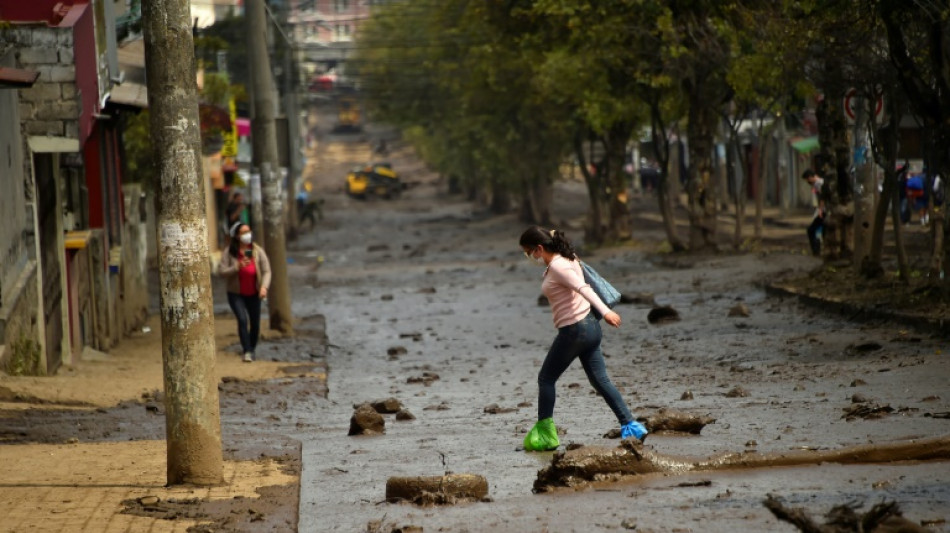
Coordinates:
<point>852,99</point>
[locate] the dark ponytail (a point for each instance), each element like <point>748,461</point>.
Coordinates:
<point>552,241</point>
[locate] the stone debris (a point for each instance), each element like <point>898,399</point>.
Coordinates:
<point>426,378</point>
<point>671,420</point>
<point>404,415</point>
<point>740,310</point>
<point>395,351</point>
<point>366,421</point>
<point>437,407</point>
<point>866,411</point>
<point>737,392</point>
<point>387,406</point>
<point>494,409</point>
<point>663,315</point>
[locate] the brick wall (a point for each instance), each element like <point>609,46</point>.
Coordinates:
<point>52,105</point>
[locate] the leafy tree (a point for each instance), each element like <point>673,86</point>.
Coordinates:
<point>917,36</point>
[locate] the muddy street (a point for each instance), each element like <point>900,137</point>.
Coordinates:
<point>430,301</point>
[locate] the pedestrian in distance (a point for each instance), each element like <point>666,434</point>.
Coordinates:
<point>578,336</point>
<point>245,267</point>
<point>817,225</point>
<point>236,210</point>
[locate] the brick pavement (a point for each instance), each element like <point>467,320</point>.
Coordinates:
<point>81,487</point>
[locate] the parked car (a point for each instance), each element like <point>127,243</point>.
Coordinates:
<point>374,179</point>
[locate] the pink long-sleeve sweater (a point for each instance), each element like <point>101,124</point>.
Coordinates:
<point>567,292</point>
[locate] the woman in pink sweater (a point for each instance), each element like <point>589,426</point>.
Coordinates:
<point>579,333</point>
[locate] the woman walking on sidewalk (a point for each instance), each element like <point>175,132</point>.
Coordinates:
<point>247,270</point>
<point>579,335</point>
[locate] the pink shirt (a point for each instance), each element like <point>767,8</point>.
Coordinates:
<point>567,292</point>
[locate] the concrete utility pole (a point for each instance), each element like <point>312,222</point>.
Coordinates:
<point>192,416</point>
<point>264,130</point>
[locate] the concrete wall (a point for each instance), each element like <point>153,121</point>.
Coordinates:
<point>133,271</point>
<point>18,294</point>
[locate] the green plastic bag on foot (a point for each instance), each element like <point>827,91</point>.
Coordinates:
<point>542,437</point>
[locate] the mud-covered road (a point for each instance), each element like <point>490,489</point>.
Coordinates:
<point>431,302</point>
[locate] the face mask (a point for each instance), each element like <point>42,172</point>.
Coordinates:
<point>246,238</point>
<point>539,260</point>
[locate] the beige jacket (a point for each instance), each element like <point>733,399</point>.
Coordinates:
<point>229,266</point>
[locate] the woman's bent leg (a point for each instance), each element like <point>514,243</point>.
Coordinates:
<point>596,370</point>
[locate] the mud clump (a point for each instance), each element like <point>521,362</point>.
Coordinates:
<point>671,420</point>
<point>426,378</point>
<point>495,409</point>
<point>663,315</point>
<point>739,310</point>
<point>437,490</point>
<point>866,411</point>
<point>737,392</point>
<point>395,351</point>
<point>379,526</point>
<point>404,415</point>
<point>578,467</point>
<point>882,518</point>
<point>385,407</point>
<point>366,421</point>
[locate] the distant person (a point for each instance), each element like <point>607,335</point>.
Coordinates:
<point>649,175</point>
<point>817,225</point>
<point>245,267</point>
<point>236,211</point>
<point>307,209</point>
<point>579,333</point>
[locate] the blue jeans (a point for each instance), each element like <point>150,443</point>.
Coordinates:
<point>580,340</point>
<point>247,309</point>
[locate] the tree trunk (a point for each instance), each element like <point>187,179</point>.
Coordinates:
<point>500,198</point>
<point>903,264</point>
<point>937,162</point>
<point>538,201</point>
<point>619,227</point>
<point>885,144</point>
<point>702,183</point>
<point>192,417</point>
<point>864,201</point>
<point>833,168</point>
<point>761,164</point>
<point>594,232</point>
<point>664,154</point>
<point>265,130</point>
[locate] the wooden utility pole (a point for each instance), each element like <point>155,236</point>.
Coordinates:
<point>264,130</point>
<point>192,416</point>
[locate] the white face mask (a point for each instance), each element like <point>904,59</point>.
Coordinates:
<point>246,238</point>
<point>539,260</point>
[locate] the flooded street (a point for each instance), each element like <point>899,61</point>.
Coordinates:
<point>430,302</point>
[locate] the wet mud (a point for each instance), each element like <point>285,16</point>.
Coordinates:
<point>594,463</point>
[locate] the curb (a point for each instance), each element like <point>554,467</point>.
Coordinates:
<point>936,327</point>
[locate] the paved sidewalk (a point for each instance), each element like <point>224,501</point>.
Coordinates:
<point>81,487</point>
